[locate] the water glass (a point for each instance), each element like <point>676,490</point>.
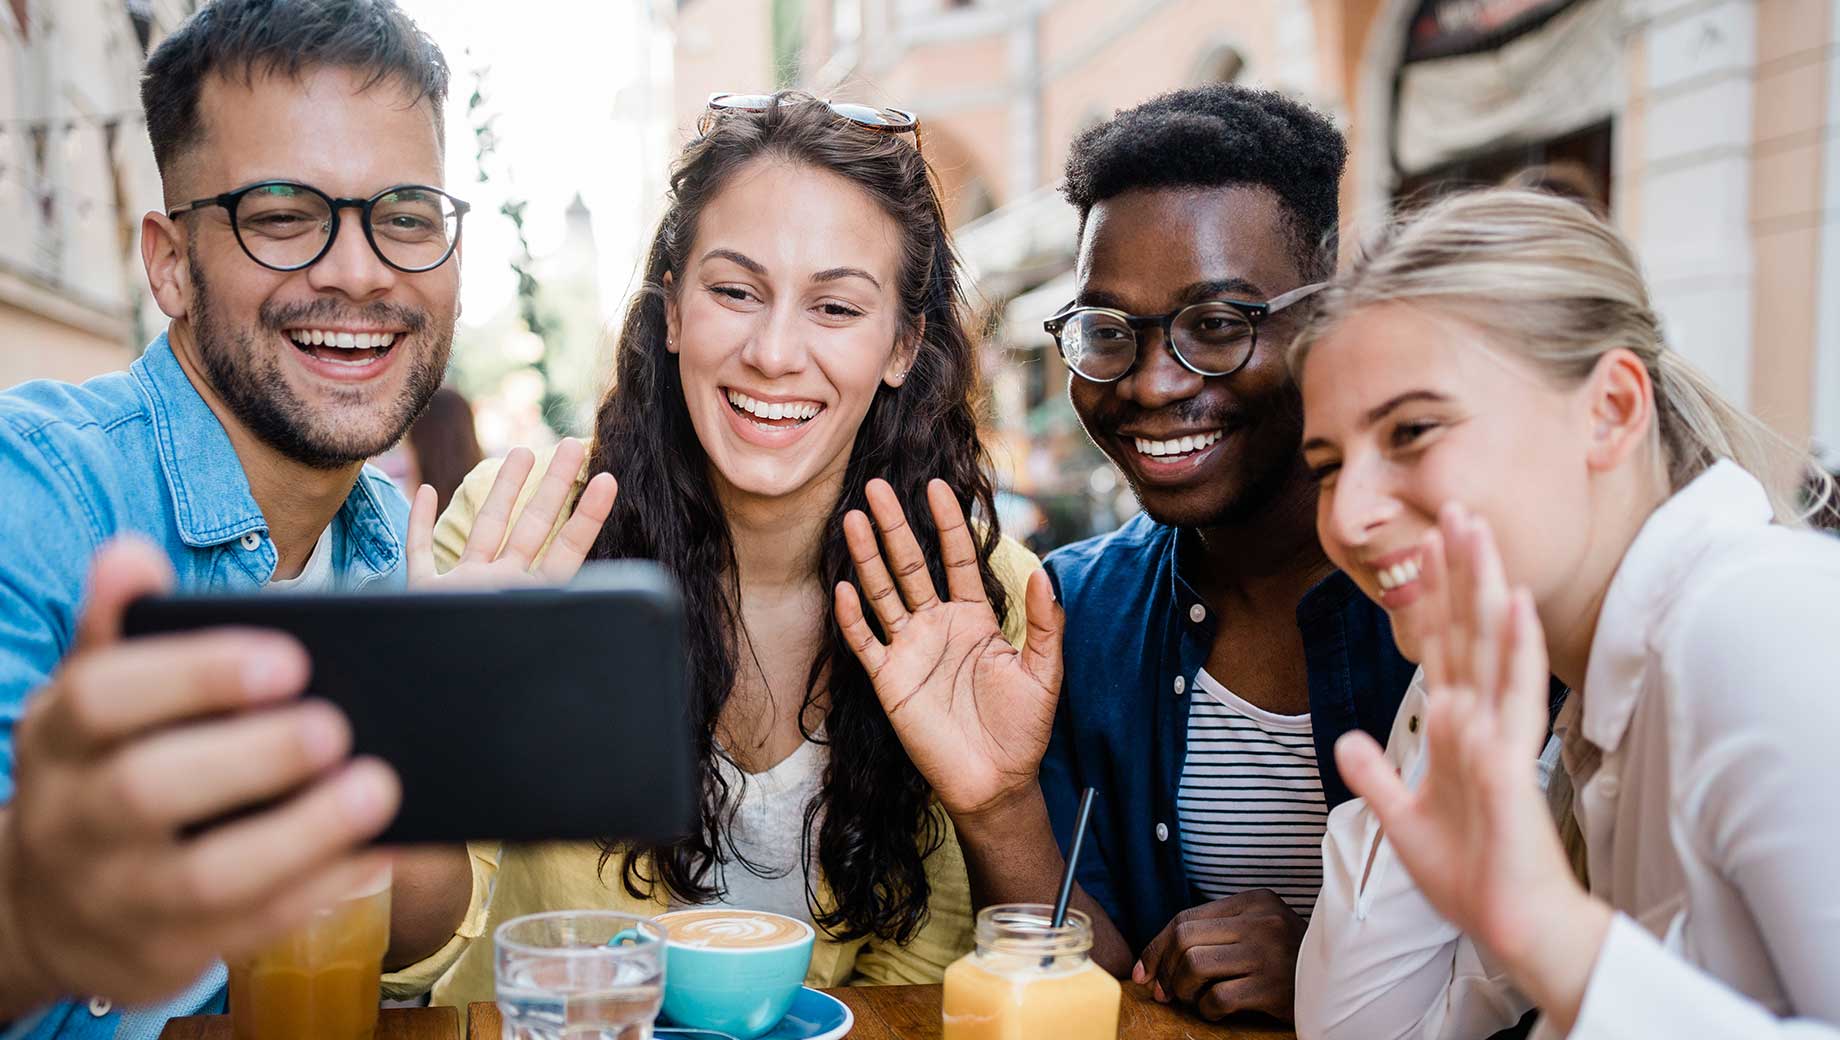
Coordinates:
<point>579,975</point>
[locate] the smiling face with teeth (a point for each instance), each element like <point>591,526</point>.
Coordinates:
<point>785,322</point>
<point>1198,451</point>
<point>1406,410</point>
<point>327,366</point>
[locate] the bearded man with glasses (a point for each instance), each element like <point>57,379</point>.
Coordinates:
<point>309,263</point>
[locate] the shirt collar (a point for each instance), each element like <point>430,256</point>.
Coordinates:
<point>212,503</point>
<point>1324,598</point>
<point>1664,554</point>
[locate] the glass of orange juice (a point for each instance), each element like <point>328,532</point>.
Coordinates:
<point>321,981</point>
<point>1029,979</point>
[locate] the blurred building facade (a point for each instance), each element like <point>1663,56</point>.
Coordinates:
<point>76,174</point>
<point>1708,129</point>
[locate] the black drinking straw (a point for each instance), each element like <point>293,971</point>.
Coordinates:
<point>1073,858</point>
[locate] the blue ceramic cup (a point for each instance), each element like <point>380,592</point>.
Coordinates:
<point>732,970</point>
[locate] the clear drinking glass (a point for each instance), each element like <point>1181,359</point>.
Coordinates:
<point>579,974</point>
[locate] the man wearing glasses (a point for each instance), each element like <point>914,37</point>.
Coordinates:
<point>1212,653</point>
<point>309,266</point>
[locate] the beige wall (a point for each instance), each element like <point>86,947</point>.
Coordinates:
<point>1722,178</point>
<point>1101,70</point>
<point>70,271</point>
<point>721,45</point>
<point>36,347</point>
<point>1791,120</point>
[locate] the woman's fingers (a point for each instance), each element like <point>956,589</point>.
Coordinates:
<point>871,573</point>
<point>905,560</point>
<point>1489,609</point>
<point>577,537</point>
<point>1434,580</point>
<point>538,517</point>
<point>495,515</point>
<point>1453,525</point>
<point>1526,673</point>
<point>420,561</point>
<point>1370,776</point>
<point>956,547</point>
<point>856,632</point>
<point>1041,646</point>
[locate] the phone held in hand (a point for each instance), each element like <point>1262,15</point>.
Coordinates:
<point>529,714</point>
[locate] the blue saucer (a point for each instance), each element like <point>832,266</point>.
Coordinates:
<point>813,1016</point>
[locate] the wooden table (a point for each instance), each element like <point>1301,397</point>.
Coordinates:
<point>912,1013</point>
<point>426,1023</point>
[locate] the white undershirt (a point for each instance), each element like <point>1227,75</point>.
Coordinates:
<point>1250,804</point>
<point>316,574</point>
<point>768,832</point>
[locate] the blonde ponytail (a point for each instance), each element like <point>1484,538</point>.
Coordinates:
<point>1543,278</point>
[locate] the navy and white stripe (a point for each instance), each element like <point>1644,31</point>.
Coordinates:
<point>1250,803</point>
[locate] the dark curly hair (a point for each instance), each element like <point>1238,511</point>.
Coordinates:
<point>878,824</point>
<point>1219,136</point>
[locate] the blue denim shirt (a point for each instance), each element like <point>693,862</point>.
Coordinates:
<point>1136,636</point>
<point>137,451</point>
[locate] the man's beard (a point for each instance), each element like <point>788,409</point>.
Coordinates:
<point>249,381</point>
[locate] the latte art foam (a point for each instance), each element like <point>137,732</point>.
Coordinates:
<point>725,929</point>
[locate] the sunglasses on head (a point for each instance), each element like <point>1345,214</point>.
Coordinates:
<point>881,120</point>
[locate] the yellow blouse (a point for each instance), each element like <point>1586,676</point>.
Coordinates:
<point>510,880</point>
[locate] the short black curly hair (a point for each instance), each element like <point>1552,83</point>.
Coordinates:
<point>1218,136</point>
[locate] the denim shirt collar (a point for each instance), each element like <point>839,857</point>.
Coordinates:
<point>1325,598</point>
<point>212,502</point>
<point>210,492</point>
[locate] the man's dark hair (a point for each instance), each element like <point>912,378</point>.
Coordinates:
<point>242,39</point>
<point>1221,136</point>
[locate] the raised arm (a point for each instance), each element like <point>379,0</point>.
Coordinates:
<point>973,712</point>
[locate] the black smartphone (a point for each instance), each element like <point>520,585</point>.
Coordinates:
<point>528,714</point>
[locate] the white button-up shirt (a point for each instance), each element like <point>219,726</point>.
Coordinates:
<point>1703,752</point>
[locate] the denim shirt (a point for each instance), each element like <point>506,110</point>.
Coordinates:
<point>1136,636</point>
<point>137,451</point>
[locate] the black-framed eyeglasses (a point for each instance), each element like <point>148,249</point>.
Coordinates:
<point>287,226</point>
<point>1212,338</point>
<point>883,120</point>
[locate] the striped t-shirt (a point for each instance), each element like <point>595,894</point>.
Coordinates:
<point>1250,805</point>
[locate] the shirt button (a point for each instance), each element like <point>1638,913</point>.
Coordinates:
<point>1162,832</point>
<point>1197,613</point>
<point>1412,724</point>
<point>100,1006</point>
<point>252,541</point>
<point>1180,684</point>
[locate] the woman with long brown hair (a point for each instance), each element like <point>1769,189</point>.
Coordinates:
<point>799,331</point>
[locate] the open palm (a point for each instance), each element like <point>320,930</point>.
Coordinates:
<point>1475,835</point>
<point>973,712</point>
<point>494,559</point>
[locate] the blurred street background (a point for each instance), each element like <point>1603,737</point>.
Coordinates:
<point>1709,130</point>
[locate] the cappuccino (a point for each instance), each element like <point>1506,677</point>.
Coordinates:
<point>722,928</point>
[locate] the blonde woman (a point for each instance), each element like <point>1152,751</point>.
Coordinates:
<point>1516,466</point>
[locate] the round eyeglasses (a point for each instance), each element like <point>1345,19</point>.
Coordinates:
<point>884,120</point>
<point>1213,338</point>
<point>286,226</point>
